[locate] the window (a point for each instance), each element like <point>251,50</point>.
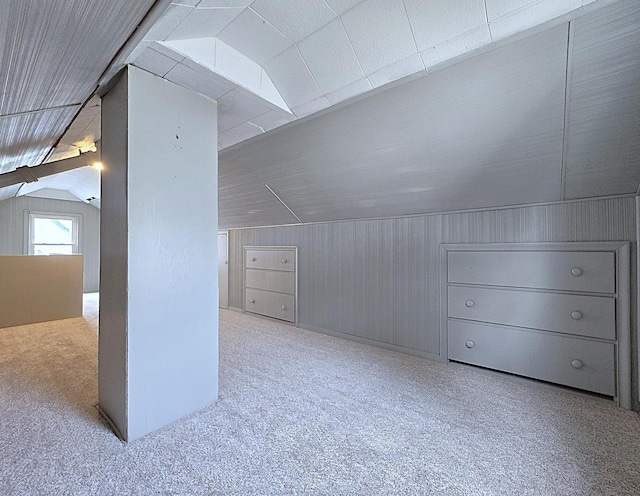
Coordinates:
<point>53,234</point>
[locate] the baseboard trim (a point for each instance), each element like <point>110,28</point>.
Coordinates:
<point>372,342</point>
<point>236,309</point>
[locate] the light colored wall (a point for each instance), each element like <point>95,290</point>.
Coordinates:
<point>378,279</point>
<point>14,230</point>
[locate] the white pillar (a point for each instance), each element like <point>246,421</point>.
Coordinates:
<point>158,346</point>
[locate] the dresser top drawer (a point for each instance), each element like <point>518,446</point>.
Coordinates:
<point>570,271</point>
<point>271,259</point>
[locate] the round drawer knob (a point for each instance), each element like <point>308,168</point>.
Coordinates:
<point>252,301</point>
<point>469,303</point>
<point>577,364</point>
<point>253,259</point>
<point>576,271</point>
<point>469,344</point>
<point>576,315</point>
<point>284,307</point>
<point>284,260</point>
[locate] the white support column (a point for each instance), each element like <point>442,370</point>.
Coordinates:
<point>158,347</point>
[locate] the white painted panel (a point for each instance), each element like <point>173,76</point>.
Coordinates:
<point>203,23</point>
<point>499,8</point>
<point>155,62</point>
<point>239,106</point>
<point>454,47</point>
<point>397,70</point>
<point>378,44</point>
<point>530,16</point>
<point>245,131</point>
<point>434,23</point>
<point>330,57</point>
<point>225,139</point>
<point>312,107</point>
<point>356,88</point>
<point>293,18</point>
<point>168,22</point>
<point>223,3</point>
<point>341,6</point>
<point>208,86</point>
<point>272,119</point>
<point>251,35</point>
<point>291,76</point>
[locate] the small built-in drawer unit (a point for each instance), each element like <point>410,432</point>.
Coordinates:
<point>557,312</point>
<point>575,362</point>
<point>592,316</point>
<point>270,281</point>
<point>276,305</point>
<point>271,259</point>
<point>562,270</point>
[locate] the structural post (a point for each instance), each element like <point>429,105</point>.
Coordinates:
<point>158,345</point>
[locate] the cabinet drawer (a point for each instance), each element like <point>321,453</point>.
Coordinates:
<point>271,259</point>
<point>592,316</point>
<point>572,271</point>
<point>565,360</point>
<point>271,280</point>
<point>276,305</point>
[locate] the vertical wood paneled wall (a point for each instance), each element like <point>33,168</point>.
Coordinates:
<point>378,279</point>
<point>14,231</point>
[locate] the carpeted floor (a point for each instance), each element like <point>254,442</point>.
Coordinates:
<point>303,413</point>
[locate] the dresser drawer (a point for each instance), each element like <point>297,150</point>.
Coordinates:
<point>571,271</point>
<point>276,305</point>
<point>570,361</point>
<point>271,259</point>
<point>592,316</point>
<point>271,280</point>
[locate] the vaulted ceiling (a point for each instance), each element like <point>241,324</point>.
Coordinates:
<point>267,63</point>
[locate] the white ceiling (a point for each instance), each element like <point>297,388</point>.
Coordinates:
<point>266,62</point>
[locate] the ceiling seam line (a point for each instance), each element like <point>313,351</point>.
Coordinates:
<point>567,90</point>
<point>283,203</point>
<point>413,35</point>
<point>364,74</point>
<point>312,76</point>
<point>29,112</point>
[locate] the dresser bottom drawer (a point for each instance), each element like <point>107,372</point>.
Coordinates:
<point>573,362</point>
<point>276,305</point>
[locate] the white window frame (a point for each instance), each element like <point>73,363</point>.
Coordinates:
<point>74,218</point>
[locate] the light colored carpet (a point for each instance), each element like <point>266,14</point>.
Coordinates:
<point>303,413</point>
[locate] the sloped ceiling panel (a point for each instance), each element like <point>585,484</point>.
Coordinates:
<point>25,139</point>
<point>484,132</point>
<point>53,53</point>
<point>603,132</point>
<point>244,201</point>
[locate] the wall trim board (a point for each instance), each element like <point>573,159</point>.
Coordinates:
<point>623,291</point>
<point>235,309</point>
<point>372,342</point>
<point>447,212</point>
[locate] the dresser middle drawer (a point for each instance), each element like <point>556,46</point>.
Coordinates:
<point>590,316</point>
<point>271,280</point>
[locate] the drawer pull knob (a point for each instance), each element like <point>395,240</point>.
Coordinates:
<point>469,303</point>
<point>284,307</point>
<point>469,344</point>
<point>253,259</point>
<point>252,300</point>
<point>284,260</point>
<point>577,364</point>
<point>576,271</point>
<point>576,315</point>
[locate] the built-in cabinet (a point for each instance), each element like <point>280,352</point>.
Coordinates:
<point>270,281</point>
<point>557,312</point>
